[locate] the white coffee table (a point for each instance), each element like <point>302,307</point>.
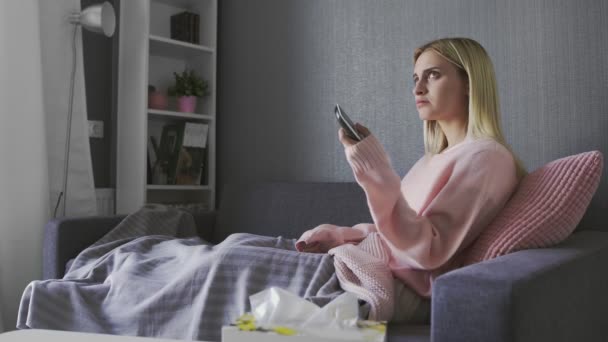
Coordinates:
<point>69,336</point>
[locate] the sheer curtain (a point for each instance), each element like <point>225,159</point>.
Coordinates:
<point>35,64</point>
<point>24,204</point>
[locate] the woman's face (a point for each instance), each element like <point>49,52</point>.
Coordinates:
<point>440,91</point>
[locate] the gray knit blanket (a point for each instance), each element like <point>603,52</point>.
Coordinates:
<point>151,276</point>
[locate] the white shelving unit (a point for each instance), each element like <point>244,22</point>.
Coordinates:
<point>148,56</point>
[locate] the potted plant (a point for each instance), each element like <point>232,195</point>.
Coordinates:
<point>188,86</point>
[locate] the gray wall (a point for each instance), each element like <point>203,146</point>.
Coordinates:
<point>100,58</point>
<point>284,63</point>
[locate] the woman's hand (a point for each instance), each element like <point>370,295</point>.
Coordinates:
<point>348,142</point>
<point>317,240</point>
<point>327,236</point>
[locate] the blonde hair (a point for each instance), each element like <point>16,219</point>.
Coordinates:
<point>483,119</point>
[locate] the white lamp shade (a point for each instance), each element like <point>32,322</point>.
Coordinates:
<point>97,18</point>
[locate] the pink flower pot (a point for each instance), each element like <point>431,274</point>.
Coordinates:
<point>186,104</point>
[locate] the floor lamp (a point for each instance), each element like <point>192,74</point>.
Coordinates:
<point>98,18</point>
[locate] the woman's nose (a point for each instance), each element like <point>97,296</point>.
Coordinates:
<point>419,89</point>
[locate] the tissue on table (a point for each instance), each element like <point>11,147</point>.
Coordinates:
<point>279,315</point>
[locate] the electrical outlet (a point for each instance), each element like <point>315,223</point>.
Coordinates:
<point>95,129</point>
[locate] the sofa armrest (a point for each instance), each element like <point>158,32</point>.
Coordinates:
<point>64,238</point>
<point>549,294</point>
<point>205,224</point>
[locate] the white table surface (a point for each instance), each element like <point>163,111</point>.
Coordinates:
<point>69,336</point>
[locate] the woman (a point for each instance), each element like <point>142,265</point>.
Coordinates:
<point>446,199</point>
<point>143,279</point>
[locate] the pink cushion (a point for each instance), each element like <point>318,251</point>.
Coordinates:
<point>545,209</point>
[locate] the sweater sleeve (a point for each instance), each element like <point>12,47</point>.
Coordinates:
<point>475,191</point>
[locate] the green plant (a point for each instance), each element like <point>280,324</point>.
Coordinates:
<point>187,83</point>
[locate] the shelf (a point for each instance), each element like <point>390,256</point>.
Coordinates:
<point>179,187</point>
<point>166,47</point>
<point>150,57</point>
<point>179,115</point>
<point>184,4</point>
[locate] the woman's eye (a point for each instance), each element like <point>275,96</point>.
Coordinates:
<point>429,75</point>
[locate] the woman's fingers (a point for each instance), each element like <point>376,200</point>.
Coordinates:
<point>362,129</point>
<point>344,139</point>
<point>313,247</point>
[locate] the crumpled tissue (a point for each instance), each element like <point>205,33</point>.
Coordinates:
<point>278,310</point>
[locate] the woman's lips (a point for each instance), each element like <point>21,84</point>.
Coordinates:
<point>421,103</point>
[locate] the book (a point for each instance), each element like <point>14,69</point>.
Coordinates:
<point>197,29</point>
<point>152,150</point>
<point>184,27</point>
<point>194,28</point>
<point>192,155</point>
<point>185,18</point>
<point>178,26</point>
<point>150,171</point>
<point>190,26</point>
<point>152,158</point>
<point>173,27</point>
<point>170,146</point>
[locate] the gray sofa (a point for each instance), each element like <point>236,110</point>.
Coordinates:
<point>552,294</point>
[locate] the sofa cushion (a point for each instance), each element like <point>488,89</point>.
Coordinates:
<point>545,209</point>
<point>288,209</point>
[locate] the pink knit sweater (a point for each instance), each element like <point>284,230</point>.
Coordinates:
<point>427,218</point>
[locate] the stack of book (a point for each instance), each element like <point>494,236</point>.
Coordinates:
<point>185,27</point>
<point>180,157</point>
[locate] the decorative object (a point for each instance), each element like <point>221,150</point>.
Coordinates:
<point>544,210</point>
<point>157,99</point>
<point>188,86</point>
<point>191,159</point>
